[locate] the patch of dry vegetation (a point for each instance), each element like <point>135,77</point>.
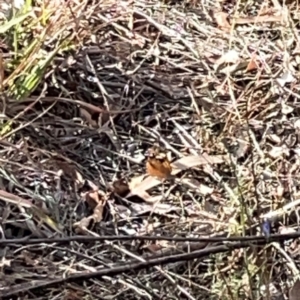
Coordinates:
<point>87,87</point>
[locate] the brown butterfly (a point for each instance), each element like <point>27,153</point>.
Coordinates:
<point>158,164</point>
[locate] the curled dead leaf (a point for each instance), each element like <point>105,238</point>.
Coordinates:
<point>97,201</point>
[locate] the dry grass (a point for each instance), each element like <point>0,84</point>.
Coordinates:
<point>88,86</point>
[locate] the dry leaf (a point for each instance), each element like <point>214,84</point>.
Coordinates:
<point>136,181</point>
<point>146,184</point>
<point>1,71</point>
<point>92,199</point>
<point>184,163</point>
<point>252,65</point>
<point>97,204</point>
<point>82,226</point>
<point>145,196</point>
<point>98,212</point>
<point>79,179</point>
<point>221,20</point>
<point>191,161</point>
<point>124,189</point>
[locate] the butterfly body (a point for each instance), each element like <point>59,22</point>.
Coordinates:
<point>158,164</point>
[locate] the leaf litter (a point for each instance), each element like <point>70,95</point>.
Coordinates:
<point>215,83</point>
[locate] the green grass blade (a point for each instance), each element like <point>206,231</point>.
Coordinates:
<point>5,27</point>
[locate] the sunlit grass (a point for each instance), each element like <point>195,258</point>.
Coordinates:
<point>26,33</point>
